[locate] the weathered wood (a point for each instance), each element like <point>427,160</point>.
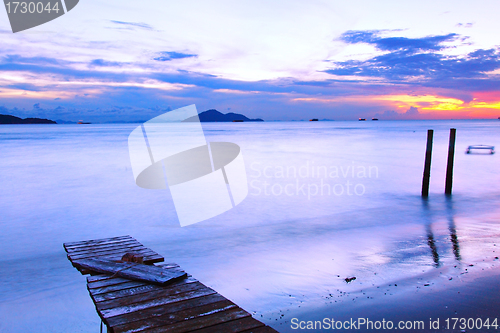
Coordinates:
<point>263,329</point>
<point>109,280</point>
<point>110,248</point>
<point>132,271</point>
<point>103,277</point>
<point>147,287</point>
<point>201,322</point>
<point>449,167</point>
<point>154,294</point>
<point>116,287</point>
<point>97,241</point>
<point>124,247</point>
<point>164,310</point>
<point>103,246</point>
<point>427,165</point>
<point>148,260</point>
<point>115,252</point>
<point>128,308</point>
<point>247,324</point>
<point>124,305</point>
<point>175,317</point>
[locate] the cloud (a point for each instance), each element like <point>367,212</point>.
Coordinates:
<point>411,113</point>
<point>407,45</point>
<point>134,24</point>
<point>41,65</point>
<point>104,63</point>
<point>417,61</point>
<point>24,86</point>
<point>168,56</point>
<point>17,59</point>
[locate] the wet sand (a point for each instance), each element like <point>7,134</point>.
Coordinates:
<point>474,296</point>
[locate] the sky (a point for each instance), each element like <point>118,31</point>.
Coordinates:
<point>111,61</point>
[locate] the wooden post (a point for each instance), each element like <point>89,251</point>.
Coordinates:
<point>427,166</point>
<point>451,155</point>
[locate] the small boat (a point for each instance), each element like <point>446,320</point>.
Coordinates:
<point>374,119</point>
<point>480,147</point>
<point>362,119</point>
<point>237,121</point>
<point>314,119</point>
<point>82,122</point>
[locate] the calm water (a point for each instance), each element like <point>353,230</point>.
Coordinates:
<point>327,200</point>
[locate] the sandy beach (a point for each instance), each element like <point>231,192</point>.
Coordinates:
<point>458,293</point>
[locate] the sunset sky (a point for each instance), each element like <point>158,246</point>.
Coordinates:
<point>277,60</point>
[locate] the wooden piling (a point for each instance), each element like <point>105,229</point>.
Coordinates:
<point>449,167</point>
<point>427,166</point>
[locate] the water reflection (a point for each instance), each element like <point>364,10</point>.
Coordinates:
<point>432,245</point>
<point>451,226</point>
<point>430,219</point>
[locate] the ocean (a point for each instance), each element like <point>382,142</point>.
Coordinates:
<point>327,201</point>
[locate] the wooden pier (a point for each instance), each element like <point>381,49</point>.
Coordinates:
<point>184,305</point>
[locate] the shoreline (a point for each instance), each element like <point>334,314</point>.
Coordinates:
<point>461,292</point>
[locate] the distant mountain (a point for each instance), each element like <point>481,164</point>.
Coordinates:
<point>216,116</point>
<point>8,119</point>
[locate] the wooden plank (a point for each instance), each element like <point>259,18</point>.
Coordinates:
<point>96,241</point>
<point>101,277</point>
<point>148,260</point>
<point>176,317</point>
<point>116,287</point>
<point>104,281</point>
<point>144,252</point>
<point>156,293</point>
<point>133,271</point>
<point>111,281</point>
<point>128,308</point>
<point>140,249</point>
<point>116,284</point>
<point>263,329</point>
<point>135,291</point>
<point>164,309</point>
<point>201,322</point>
<point>247,324</point>
<point>103,247</point>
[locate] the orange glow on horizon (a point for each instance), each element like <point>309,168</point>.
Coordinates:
<point>428,105</point>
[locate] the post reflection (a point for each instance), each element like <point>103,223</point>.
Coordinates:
<point>452,228</point>
<point>431,241</point>
<point>430,235</point>
<point>432,245</point>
